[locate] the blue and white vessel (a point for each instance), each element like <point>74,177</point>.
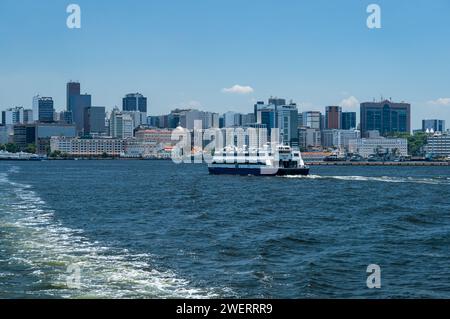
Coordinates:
<point>280,160</point>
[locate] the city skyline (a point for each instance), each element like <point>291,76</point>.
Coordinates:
<point>317,54</point>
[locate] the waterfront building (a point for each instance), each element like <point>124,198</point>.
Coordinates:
<point>366,147</point>
<point>348,120</point>
<point>432,126</point>
<point>6,134</point>
<point>94,120</point>
<point>333,117</point>
<point>438,144</point>
<point>287,116</point>
<point>24,134</point>
<point>386,117</point>
<point>156,136</point>
<point>339,138</point>
<point>39,134</point>
<point>149,142</point>
<point>121,124</point>
<point>79,147</point>
<point>43,109</point>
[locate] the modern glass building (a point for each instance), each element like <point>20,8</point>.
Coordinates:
<point>348,120</point>
<point>43,109</point>
<point>94,120</point>
<point>333,117</point>
<point>134,102</point>
<point>312,119</point>
<point>72,89</point>
<point>287,117</point>
<point>385,117</point>
<point>78,104</point>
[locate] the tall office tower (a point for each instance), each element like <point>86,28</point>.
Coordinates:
<point>94,120</point>
<point>13,116</point>
<point>276,101</point>
<point>121,125</point>
<point>287,117</point>
<point>348,120</point>
<point>268,117</point>
<point>78,105</point>
<point>312,119</point>
<point>43,109</point>
<point>72,89</point>
<point>136,102</point>
<point>385,117</point>
<point>433,126</point>
<point>333,117</point>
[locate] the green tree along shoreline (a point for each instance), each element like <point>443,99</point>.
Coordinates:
<point>14,148</point>
<point>416,142</point>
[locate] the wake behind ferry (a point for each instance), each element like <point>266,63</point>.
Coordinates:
<point>280,160</point>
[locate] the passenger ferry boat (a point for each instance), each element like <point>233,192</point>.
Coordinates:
<point>280,160</point>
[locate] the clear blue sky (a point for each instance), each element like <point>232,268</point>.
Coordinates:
<point>185,52</point>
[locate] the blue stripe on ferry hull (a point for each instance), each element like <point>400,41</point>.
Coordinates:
<point>257,171</point>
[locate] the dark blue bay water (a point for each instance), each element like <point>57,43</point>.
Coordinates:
<point>153,229</point>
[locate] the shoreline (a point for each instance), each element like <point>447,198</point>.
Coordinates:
<point>378,163</point>
<point>317,163</point>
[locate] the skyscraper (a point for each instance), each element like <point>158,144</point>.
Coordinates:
<point>72,89</point>
<point>348,120</point>
<point>287,116</point>
<point>78,103</point>
<point>94,120</point>
<point>16,115</point>
<point>333,117</point>
<point>136,102</point>
<point>43,109</point>
<point>385,117</point>
<point>121,124</point>
<point>312,119</point>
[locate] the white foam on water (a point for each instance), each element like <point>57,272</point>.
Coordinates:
<point>43,245</point>
<point>385,179</point>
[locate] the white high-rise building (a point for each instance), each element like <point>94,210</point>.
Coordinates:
<point>16,115</point>
<point>121,124</point>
